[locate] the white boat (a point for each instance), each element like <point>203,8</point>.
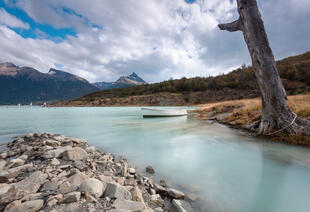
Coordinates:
<point>30,104</point>
<point>151,112</point>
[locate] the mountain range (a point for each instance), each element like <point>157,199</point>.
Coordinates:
<point>22,85</point>
<point>122,82</point>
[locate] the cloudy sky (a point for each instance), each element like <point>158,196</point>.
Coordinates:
<point>158,39</point>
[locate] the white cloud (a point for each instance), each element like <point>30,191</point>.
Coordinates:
<point>157,39</point>
<point>10,20</point>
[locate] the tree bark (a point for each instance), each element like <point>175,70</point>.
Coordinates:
<point>275,112</point>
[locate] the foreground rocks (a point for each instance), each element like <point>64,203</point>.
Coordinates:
<point>47,172</point>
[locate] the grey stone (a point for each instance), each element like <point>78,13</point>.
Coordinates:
<point>92,186</point>
<point>51,142</point>
<point>49,186</point>
<point>76,179</point>
<point>75,153</point>
<point>159,189</point>
<point>2,164</point>
<point>115,190</point>
<point>177,206</point>
<point>131,171</point>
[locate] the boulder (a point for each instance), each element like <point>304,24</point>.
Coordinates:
<point>175,194</point>
<point>92,186</point>
<point>80,165</point>
<point>75,153</point>
<point>150,170</point>
<point>29,206</point>
<point>13,172</point>
<point>32,183</point>
<point>55,153</point>
<point>128,205</point>
<point>71,197</point>
<point>115,190</point>
<point>23,157</point>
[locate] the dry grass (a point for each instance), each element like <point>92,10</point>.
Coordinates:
<point>241,113</point>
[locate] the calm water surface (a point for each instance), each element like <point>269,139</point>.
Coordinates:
<point>232,172</point>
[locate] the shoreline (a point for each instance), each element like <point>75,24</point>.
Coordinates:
<point>52,172</point>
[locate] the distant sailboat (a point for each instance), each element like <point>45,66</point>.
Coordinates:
<point>30,104</point>
<point>44,105</point>
<point>18,105</point>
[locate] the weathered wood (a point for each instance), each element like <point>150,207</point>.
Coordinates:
<point>275,114</point>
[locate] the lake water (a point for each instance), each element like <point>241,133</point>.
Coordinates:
<point>231,172</point>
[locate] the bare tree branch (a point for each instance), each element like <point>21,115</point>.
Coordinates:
<point>232,27</point>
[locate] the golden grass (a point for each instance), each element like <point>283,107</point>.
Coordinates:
<point>241,113</point>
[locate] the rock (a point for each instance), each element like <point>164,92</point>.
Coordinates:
<point>23,157</point>
<point>131,171</point>
<point>55,162</point>
<point>52,143</point>
<point>119,210</point>
<point>55,153</point>
<point>71,197</point>
<point>128,205</point>
<point>163,183</point>
<point>155,197</point>
<point>50,186</point>
<point>35,196</point>
<point>2,164</point>
<point>158,209</point>
<point>4,188</point>
<point>130,181</point>
<point>175,194</point>
<point>124,170</point>
<point>80,165</point>
<point>66,188</point>
<point>75,153</point>
<point>29,206</point>
<point>91,149</point>
<point>92,186</point>
<point>115,190</point>
<point>52,202</point>
<point>177,206</point>
<point>77,179</point>
<point>105,179</point>
<point>32,183</point>
<point>13,172</point>
<point>14,163</point>
<point>12,194</point>
<point>150,170</point>
<point>159,189</point>
<point>137,194</point>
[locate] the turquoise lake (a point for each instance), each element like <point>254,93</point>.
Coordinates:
<point>229,170</point>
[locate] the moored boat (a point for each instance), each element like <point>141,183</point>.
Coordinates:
<point>152,112</point>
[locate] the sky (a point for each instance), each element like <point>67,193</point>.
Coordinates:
<point>101,40</point>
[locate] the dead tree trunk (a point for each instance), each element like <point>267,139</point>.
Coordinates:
<point>276,114</point>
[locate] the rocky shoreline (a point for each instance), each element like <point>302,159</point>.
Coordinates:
<point>51,172</point>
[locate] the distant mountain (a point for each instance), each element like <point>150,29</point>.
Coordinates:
<point>124,81</point>
<point>25,84</point>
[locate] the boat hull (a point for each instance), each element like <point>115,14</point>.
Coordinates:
<point>153,113</point>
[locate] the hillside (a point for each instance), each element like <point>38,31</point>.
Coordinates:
<point>237,84</point>
<point>25,84</point>
<point>123,82</point>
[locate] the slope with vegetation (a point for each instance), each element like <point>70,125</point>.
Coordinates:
<point>238,84</point>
